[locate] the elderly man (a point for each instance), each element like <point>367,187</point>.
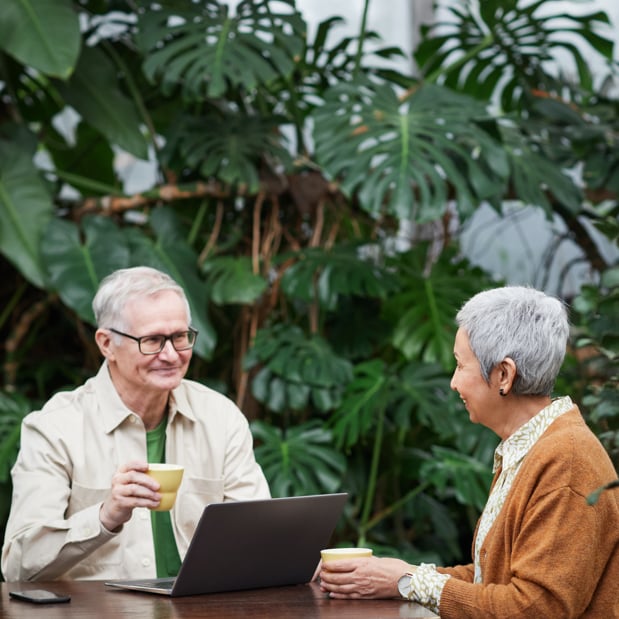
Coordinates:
<point>81,496</point>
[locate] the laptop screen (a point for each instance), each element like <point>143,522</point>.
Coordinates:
<point>254,544</point>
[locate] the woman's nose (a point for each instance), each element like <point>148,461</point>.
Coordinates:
<point>452,383</point>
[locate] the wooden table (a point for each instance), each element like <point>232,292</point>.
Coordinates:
<point>91,599</point>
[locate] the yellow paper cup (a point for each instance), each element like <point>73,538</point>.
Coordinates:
<point>169,477</point>
<point>337,554</point>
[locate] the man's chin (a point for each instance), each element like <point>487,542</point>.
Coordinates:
<point>167,379</point>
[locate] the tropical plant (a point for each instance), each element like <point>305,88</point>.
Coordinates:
<point>280,173</point>
<point>596,337</point>
<point>597,342</point>
<point>13,408</point>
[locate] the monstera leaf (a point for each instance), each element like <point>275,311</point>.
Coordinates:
<point>231,280</point>
<point>299,460</point>
<point>502,48</point>
<point>296,370</point>
<point>202,48</point>
<point>366,395</point>
<point>424,311</point>
<point>406,392</point>
<point>466,477</point>
<point>405,157</point>
<point>231,147</point>
<point>535,177</point>
<point>327,275</point>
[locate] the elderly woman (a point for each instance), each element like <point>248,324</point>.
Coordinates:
<point>540,550</point>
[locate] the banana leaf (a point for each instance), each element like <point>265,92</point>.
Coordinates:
<point>42,34</point>
<point>25,208</point>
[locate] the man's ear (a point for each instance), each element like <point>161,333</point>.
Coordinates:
<point>507,374</point>
<point>104,341</point>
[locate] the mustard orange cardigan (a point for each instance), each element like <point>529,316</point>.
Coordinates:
<point>549,555</point>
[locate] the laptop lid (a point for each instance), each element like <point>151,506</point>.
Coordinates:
<point>252,544</point>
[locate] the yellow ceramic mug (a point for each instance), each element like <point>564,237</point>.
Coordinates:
<point>169,477</point>
<point>337,554</point>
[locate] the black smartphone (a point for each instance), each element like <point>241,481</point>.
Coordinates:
<point>39,596</point>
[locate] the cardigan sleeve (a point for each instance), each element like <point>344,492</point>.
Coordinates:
<point>462,572</point>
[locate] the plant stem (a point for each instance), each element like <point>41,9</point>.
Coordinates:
<point>371,490</point>
<point>396,505</point>
<point>15,297</point>
<point>364,24</point>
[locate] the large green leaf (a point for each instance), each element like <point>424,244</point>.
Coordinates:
<point>87,164</point>
<point>405,157</point>
<point>504,48</point>
<point>204,49</point>
<point>232,280</point>
<point>42,34</point>
<point>25,209</point>
<point>424,312</point>
<point>577,137</point>
<point>232,147</point>
<point>409,394</point>
<point>76,264</point>
<point>297,370</point>
<point>326,275</point>
<point>366,395</point>
<point>326,59</point>
<point>536,177</point>
<point>93,91</point>
<point>594,311</point>
<point>467,477</point>
<point>299,460</point>
<point>13,408</point>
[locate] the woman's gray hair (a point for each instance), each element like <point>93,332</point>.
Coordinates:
<point>519,322</point>
<point>124,285</point>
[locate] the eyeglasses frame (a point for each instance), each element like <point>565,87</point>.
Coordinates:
<point>166,338</point>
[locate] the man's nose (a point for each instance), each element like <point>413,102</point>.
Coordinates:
<point>168,350</point>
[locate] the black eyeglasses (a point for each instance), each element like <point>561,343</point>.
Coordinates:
<point>153,344</point>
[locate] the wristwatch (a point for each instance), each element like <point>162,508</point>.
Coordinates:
<point>404,585</point>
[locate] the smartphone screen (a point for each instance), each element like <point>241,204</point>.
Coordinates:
<point>39,596</point>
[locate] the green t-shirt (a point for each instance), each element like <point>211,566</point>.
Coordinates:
<point>166,553</point>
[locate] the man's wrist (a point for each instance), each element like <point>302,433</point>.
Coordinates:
<point>105,521</point>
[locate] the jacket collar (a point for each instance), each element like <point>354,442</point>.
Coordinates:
<point>114,411</point>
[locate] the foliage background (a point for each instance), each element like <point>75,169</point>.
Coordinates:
<point>286,172</point>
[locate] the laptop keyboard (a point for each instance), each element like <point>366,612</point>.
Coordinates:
<point>159,582</point>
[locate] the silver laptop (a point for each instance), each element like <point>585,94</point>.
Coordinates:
<point>251,544</point>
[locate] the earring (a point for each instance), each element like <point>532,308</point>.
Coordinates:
<point>501,392</point>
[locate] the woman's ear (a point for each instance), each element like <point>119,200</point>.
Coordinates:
<point>506,375</point>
